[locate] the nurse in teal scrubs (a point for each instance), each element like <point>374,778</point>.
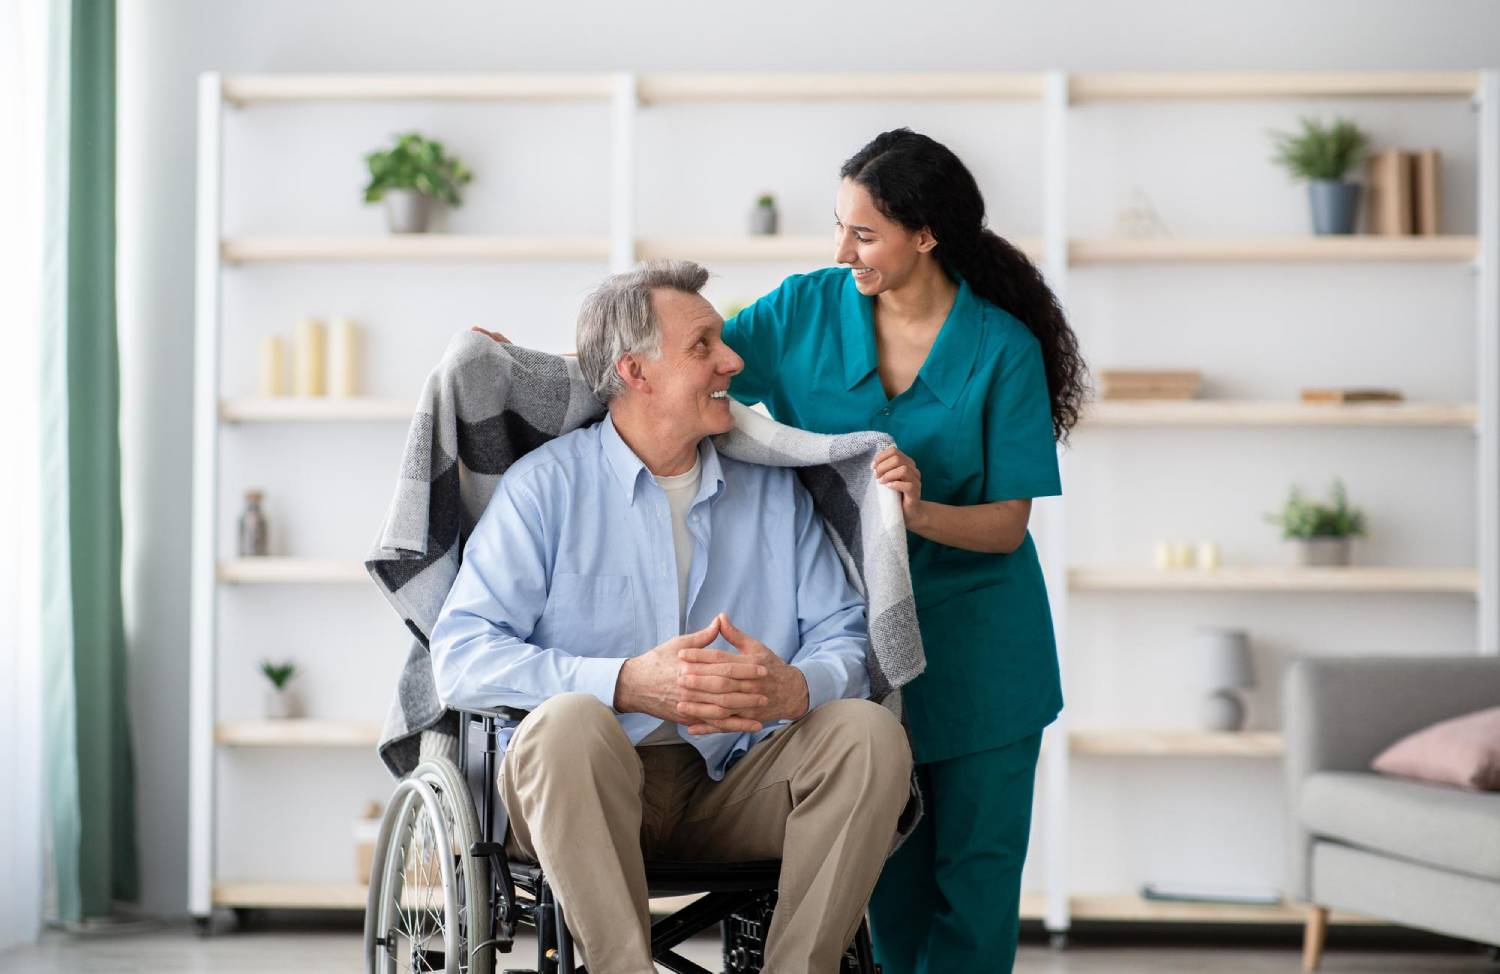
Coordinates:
<point>942,334</point>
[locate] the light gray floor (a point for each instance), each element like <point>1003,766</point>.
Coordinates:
<point>177,949</point>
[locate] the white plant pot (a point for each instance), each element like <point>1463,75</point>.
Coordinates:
<point>1322,552</point>
<point>282,704</point>
<point>407,211</point>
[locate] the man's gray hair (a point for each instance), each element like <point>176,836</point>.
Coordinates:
<point>616,319</point>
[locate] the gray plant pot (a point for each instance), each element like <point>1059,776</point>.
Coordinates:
<point>1322,552</point>
<point>407,211</point>
<point>763,220</point>
<point>1335,205</point>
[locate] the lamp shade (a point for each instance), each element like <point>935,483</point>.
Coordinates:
<point>1223,659</point>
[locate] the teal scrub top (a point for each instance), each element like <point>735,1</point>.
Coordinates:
<point>977,421</point>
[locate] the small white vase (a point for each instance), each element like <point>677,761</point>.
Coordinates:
<point>282,704</point>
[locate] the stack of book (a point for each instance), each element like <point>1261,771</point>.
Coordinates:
<point>1405,192</point>
<point>1148,384</point>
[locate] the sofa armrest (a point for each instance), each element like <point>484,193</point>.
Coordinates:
<point>1338,714</point>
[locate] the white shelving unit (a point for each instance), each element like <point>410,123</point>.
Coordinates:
<point>627,97</point>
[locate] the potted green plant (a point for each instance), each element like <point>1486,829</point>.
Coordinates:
<point>764,218</point>
<point>409,176</point>
<point>281,702</point>
<point>1324,156</point>
<point>1320,532</point>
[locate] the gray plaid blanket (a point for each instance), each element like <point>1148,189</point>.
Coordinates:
<point>487,404</point>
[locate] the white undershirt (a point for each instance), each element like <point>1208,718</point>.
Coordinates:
<point>680,491</point>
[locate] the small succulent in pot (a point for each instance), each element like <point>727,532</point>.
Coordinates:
<point>409,176</point>
<point>281,701</point>
<point>764,218</point>
<point>1321,532</point>
<point>1324,156</point>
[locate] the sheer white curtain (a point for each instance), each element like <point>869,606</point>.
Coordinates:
<point>23,72</point>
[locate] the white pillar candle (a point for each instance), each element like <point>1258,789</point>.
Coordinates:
<point>1163,554</point>
<point>343,356</point>
<point>1208,555</point>
<point>272,366</point>
<point>311,355</point>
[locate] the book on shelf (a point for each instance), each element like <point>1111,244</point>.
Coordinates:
<point>1352,394</point>
<point>1390,186</point>
<point>1168,892</point>
<point>1426,192</point>
<point>1149,384</point>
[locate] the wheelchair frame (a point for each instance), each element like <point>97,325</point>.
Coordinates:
<point>739,897</point>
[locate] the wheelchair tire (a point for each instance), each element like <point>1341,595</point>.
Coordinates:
<point>431,928</point>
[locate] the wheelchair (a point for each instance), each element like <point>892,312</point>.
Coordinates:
<point>444,896</point>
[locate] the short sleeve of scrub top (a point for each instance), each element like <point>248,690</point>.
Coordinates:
<point>977,422</point>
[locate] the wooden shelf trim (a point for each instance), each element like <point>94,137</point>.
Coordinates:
<point>281,570</point>
<point>412,247</point>
<point>1174,743</point>
<point>246,89</point>
<point>297,732</point>
<point>1302,249</point>
<point>1232,412</point>
<point>1132,86</point>
<point>314,409</point>
<point>654,88</point>
<point>1454,581</point>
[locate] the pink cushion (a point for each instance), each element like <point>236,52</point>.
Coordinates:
<point>1463,751</point>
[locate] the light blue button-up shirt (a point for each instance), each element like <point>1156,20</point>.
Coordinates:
<point>571,571</point>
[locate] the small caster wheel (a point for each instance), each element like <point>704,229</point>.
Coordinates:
<point>204,925</point>
<point>1058,941</point>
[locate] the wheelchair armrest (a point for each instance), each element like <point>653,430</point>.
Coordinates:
<point>504,713</point>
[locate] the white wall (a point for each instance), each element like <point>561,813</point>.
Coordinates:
<point>165,43</point>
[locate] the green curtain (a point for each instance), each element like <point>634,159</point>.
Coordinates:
<point>92,786</point>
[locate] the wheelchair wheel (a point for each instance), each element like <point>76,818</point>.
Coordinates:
<point>429,903</point>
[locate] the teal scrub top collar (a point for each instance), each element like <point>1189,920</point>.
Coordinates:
<point>951,359</point>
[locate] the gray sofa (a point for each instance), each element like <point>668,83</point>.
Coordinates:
<point>1419,855</point>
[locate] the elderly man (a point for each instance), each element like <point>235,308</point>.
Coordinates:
<point>609,565</point>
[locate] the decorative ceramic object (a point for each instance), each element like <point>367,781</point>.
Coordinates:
<point>343,358</point>
<point>1224,666</point>
<point>311,357</point>
<point>1322,552</point>
<point>407,211</point>
<point>254,531</point>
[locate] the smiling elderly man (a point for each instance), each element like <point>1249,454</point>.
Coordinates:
<point>592,591</point>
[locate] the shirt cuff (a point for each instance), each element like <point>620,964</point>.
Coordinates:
<point>597,676</point>
<point>824,681</point>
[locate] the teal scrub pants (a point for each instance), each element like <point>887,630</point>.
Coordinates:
<point>949,899</point>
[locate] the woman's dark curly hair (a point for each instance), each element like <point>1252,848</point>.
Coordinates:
<point>918,182</point>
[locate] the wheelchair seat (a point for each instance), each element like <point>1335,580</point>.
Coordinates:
<point>679,878</point>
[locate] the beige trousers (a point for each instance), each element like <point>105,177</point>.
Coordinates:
<point>822,794</point>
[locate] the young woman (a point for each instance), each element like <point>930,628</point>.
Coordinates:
<point>944,335</point>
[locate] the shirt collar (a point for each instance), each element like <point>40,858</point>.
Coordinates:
<point>628,468</point>
<point>948,364</point>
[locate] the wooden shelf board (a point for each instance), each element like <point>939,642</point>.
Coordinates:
<point>661,88</point>
<point>1226,412</point>
<point>1175,743</point>
<point>248,89</point>
<point>314,409</point>
<point>1456,581</point>
<point>280,570</point>
<point>1304,249</point>
<point>412,247</point>
<point>1122,86</point>
<point>290,894</point>
<point>813,249</point>
<point>1127,907</point>
<point>297,732</point>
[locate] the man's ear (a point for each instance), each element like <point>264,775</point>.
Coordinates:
<point>628,368</point>
<point>925,240</point>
